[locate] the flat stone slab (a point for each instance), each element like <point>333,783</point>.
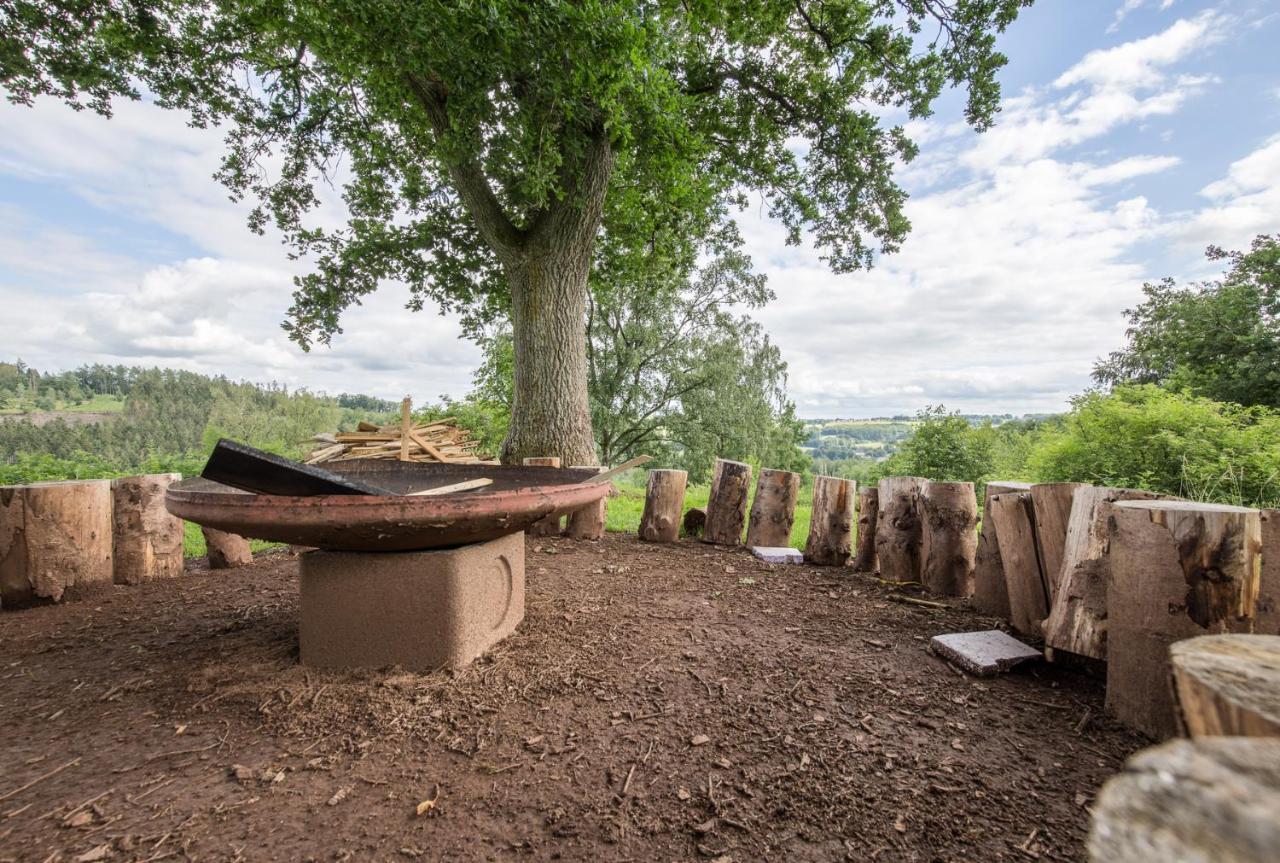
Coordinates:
<point>777,554</point>
<point>983,653</point>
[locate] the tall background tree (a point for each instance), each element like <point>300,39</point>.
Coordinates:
<point>480,142</point>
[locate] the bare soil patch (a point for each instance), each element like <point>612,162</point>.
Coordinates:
<point>674,703</point>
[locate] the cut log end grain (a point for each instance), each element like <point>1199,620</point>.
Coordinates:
<point>868,511</point>
<point>830,541</point>
<point>727,503</point>
<point>1228,685</point>
<point>663,503</point>
<point>774,509</point>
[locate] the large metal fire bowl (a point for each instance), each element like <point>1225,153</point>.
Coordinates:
<point>518,497</point>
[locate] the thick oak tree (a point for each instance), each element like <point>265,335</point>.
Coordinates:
<point>478,141</point>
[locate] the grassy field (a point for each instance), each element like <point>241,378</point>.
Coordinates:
<point>98,404</point>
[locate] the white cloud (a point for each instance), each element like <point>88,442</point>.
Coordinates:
<point>1244,203</point>
<point>1129,6</point>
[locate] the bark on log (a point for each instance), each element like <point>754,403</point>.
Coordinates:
<point>773,511</point>
<point>1266,619</point>
<point>868,511</point>
<point>1052,503</point>
<point>549,526</point>
<point>990,595</point>
<point>949,515</point>
<point>226,550</point>
<point>830,541</point>
<point>663,503</point>
<point>53,535</point>
<point>727,505</point>
<point>147,540</point>
<point>1214,799</point>
<point>1178,569</point>
<point>1228,685</point>
<point>695,521</point>
<point>1077,621</point>
<point>898,529</point>
<point>1014,519</point>
<point>587,522</point>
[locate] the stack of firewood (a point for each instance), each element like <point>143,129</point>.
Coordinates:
<point>435,441</point>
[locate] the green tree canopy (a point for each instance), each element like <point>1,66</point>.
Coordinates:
<point>1217,339</point>
<point>482,145</point>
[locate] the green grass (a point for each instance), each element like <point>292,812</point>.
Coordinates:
<point>98,404</point>
<point>625,508</point>
<point>193,542</point>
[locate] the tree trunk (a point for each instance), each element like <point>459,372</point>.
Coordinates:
<point>147,540</point>
<point>1014,520</point>
<point>990,594</point>
<point>949,515</point>
<point>1077,622</point>
<point>830,540</point>
<point>549,526</point>
<point>226,550</point>
<point>774,509</point>
<point>898,530</point>
<point>1266,619</point>
<point>663,504</point>
<point>1052,503</point>
<point>727,505</point>
<point>1203,800</point>
<point>1178,569</point>
<point>587,522</point>
<point>53,536</point>
<point>868,510</point>
<point>1228,685</point>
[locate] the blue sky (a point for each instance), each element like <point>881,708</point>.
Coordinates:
<point>1133,133</point>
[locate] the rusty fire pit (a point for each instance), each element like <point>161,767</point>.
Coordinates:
<point>517,498</point>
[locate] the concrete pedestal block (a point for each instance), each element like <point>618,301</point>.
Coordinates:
<point>421,610</point>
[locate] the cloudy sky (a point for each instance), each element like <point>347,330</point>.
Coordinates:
<point>1133,133</point>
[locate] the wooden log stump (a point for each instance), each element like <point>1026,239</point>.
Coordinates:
<point>1213,799</point>
<point>1178,569</point>
<point>949,518</point>
<point>549,526</point>
<point>53,536</point>
<point>147,540</point>
<point>990,595</point>
<point>663,503</point>
<point>727,505</point>
<point>773,511</point>
<point>695,521</point>
<point>830,541</point>
<point>1014,519</point>
<point>1266,619</point>
<point>1228,685</point>
<point>587,522</point>
<point>225,550</point>
<point>868,511</point>
<point>1077,621</point>
<point>1052,503</point>
<point>899,533</point>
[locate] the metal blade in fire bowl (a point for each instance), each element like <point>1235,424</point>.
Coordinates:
<point>250,469</point>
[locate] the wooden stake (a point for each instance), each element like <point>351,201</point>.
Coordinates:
<point>549,526</point>
<point>1178,569</point>
<point>774,509</point>
<point>146,539</point>
<point>406,428</point>
<point>1014,520</point>
<point>830,540</point>
<point>990,595</point>
<point>464,485</point>
<point>868,507</point>
<point>663,503</point>
<point>899,533</point>
<point>1228,685</point>
<point>727,505</point>
<point>587,522</point>
<point>949,515</point>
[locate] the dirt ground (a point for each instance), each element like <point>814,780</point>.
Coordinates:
<point>664,703</point>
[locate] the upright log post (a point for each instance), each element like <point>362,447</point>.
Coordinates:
<point>949,515</point>
<point>1267,614</point>
<point>1213,799</point>
<point>1052,503</point>
<point>1228,685</point>
<point>147,540</point>
<point>868,511</point>
<point>1178,569</point>
<point>549,526</point>
<point>1014,520</point>
<point>53,536</point>
<point>663,504</point>
<point>990,595</point>
<point>727,505</point>
<point>899,533</point>
<point>587,522</point>
<point>773,511</point>
<point>830,541</point>
<point>225,550</point>
<point>1077,621</point>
